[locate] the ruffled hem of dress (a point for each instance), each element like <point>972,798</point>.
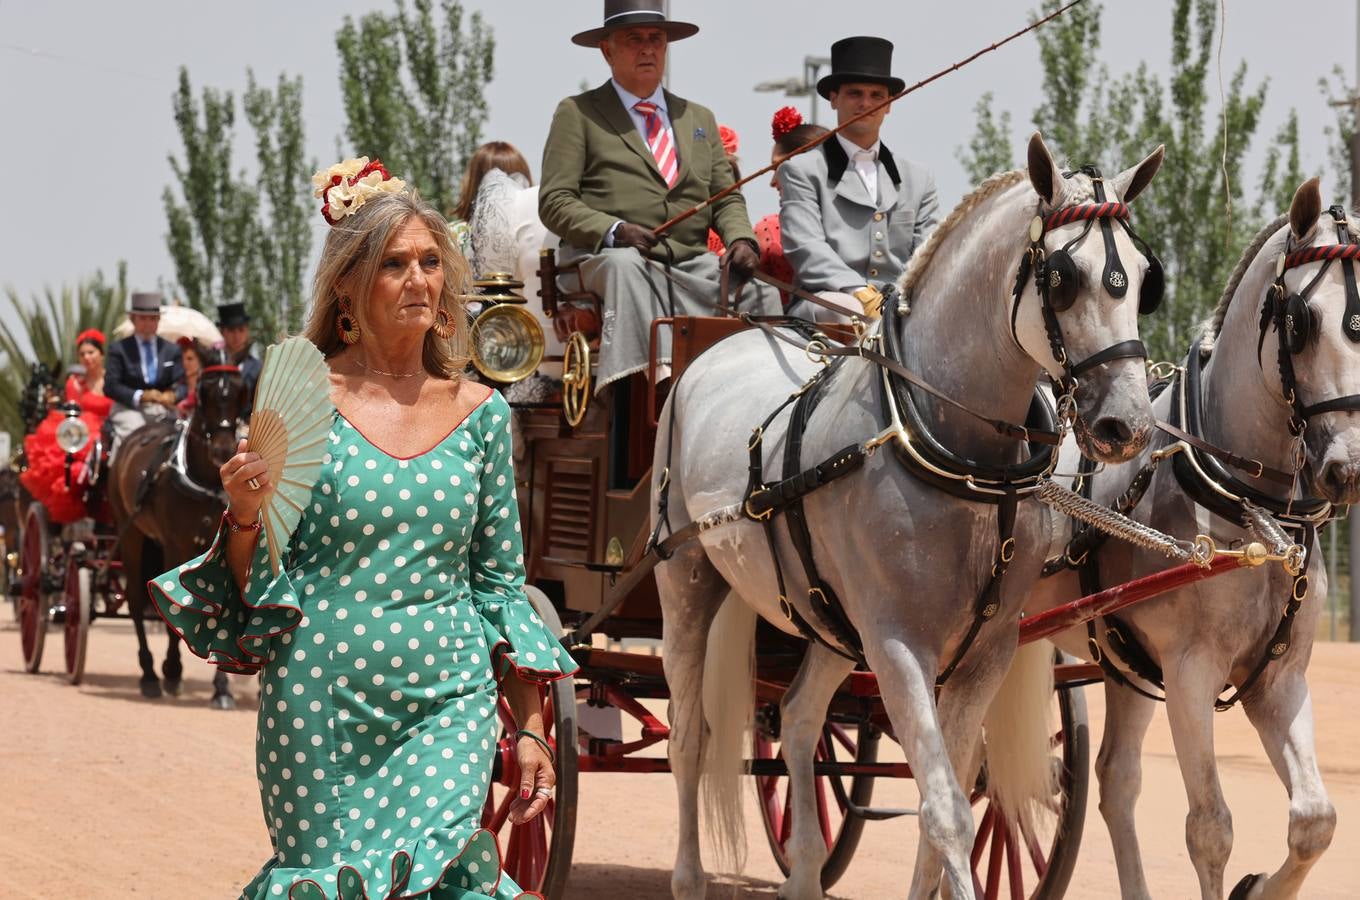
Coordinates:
<point>237,640</point>
<point>345,880</point>
<point>518,640</point>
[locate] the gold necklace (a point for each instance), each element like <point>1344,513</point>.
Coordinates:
<point>367,368</point>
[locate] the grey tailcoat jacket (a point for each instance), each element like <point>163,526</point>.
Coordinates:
<point>835,235</point>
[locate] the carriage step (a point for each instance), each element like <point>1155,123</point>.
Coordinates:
<point>877,814</point>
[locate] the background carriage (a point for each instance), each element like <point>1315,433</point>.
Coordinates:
<point>70,574</point>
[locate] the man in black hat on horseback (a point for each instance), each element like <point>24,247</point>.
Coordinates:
<point>234,323</point>
<point>851,213</point>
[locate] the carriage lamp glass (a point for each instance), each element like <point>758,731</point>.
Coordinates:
<point>507,343</point>
<point>72,434</point>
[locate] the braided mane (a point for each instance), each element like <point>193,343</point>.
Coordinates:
<point>1215,325</point>
<point>922,257</point>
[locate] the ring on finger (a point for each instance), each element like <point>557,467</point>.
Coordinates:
<point>544,791</point>
<point>253,484</point>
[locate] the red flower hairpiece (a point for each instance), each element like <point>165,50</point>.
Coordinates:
<point>729,140</point>
<point>91,334</point>
<point>786,118</point>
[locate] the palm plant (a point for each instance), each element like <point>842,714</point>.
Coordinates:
<point>44,330</point>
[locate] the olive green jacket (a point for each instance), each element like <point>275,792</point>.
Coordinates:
<point>597,171</point>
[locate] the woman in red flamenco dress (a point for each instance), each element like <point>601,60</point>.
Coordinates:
<point>45,477</point>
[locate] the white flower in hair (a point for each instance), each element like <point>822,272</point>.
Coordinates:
<point>348,185</point>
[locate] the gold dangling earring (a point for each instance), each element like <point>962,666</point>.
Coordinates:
<point>443,324</point>
<point>346,325</point>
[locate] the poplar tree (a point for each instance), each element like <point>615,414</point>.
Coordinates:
<point>414,85</point>
<point>233,238</point>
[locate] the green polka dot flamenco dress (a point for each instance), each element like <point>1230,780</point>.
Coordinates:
<point>399,605</point>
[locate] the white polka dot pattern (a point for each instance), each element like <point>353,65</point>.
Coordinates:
<point>380,645</point>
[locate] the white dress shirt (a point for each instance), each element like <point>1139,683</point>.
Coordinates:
<point>629,100</point>
<point>865,164</point>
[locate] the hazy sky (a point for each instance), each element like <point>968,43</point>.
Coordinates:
<point>85,87</point>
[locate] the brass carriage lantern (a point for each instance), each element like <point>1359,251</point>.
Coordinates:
<point>506,340</point>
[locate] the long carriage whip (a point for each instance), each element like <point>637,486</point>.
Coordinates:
<point>817,141</point>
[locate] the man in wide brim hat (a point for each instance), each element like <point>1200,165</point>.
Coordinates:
<point>851,213</point>
<point>630,13</point>
<point>619,161</point>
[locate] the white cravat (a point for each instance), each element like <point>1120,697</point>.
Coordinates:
<point>865,163</point>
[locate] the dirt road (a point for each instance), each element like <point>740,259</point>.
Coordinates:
<point>106,795</point>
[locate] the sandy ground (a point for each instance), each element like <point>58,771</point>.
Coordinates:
<point>107,795</point>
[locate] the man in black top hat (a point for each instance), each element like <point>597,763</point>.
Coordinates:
<point>234,323</point>
<point>142,371</point>
<point>850,213</point>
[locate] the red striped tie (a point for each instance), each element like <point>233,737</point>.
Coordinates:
<point>659,142</point>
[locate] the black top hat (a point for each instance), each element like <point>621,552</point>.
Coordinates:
<point>862,60</point>
<point>232,315</point>
<point>632,13</point>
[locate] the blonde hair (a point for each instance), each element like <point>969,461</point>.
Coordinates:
<point>349,265</point>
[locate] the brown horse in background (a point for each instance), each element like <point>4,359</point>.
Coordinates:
<point>166,519</point>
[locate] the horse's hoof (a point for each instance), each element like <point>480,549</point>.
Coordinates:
<point>172,687</point>
<point>224,701</point>
<point>151,688</point>
<point>1247,887</point>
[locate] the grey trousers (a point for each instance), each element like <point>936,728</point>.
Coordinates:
<point>126,420</point>
<point>635,291</point>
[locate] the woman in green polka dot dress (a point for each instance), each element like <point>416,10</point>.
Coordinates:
<point>399,614</point>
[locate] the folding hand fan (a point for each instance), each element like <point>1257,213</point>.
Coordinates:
<point>288,428</point>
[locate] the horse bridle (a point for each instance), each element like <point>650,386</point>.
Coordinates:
<point>222,424</point>
<point>1293,320</point>
<point>1056,279</point>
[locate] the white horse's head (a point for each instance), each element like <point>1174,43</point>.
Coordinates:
<point>1312,317</point>
<point>1077,316</point>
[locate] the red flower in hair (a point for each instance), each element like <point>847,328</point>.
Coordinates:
<point>786,118</point>
<point>729,140</point>
<point>91,334</point>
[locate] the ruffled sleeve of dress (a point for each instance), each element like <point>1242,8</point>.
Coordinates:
<point>233,629</point>
<point>516,635</point>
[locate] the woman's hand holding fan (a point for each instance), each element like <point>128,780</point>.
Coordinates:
<point>288,429</point>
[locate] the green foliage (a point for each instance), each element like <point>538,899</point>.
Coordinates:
<point>1340,134</point>
<point>989,150</point>
<point>233,239</point>
<point>425,125</point>
<point>283,185</point>
<point>46,329</point>
<point>1194,221</point>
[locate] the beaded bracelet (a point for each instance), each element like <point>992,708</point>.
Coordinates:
<point>552,757</point>
<point>236,527</point>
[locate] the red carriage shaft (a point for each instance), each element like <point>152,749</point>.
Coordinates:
<point>1060,618</point>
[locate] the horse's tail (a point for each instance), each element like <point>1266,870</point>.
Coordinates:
<point>728,703</point>
<point>1019,733</point>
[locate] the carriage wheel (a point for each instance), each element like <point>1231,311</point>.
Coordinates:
<point>79,614</point>
<point>537,854</point>
<point>835,793</point>
<point>1011,862</point>
<point>575,378</point>
<point>35,603</point>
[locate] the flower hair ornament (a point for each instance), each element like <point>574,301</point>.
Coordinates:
<point>786,118</point>
<point>93,335</point>
<point>347,186</point>
<point>729,139</point>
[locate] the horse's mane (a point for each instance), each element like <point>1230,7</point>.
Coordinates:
<point>1239,272</point>
<point>921,258</point>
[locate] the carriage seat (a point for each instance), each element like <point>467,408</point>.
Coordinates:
<point>570,310</point>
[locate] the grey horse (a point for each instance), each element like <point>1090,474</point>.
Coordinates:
<point>906,558</point>
<point>1215,632</point>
